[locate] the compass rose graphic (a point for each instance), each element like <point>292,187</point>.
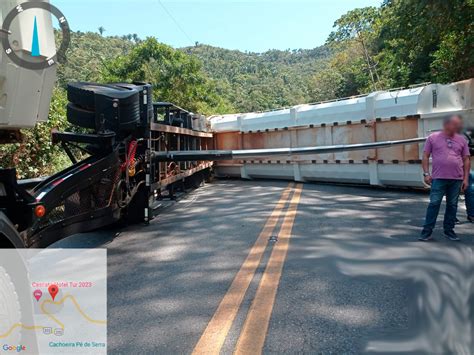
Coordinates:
<point>37,60</point>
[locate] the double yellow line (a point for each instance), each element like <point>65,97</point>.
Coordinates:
<point>252,336</point>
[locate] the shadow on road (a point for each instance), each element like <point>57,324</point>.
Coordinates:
<point>370,235</point>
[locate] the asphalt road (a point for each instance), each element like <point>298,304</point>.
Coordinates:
<point>250,266</point>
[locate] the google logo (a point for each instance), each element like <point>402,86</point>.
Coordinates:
<point>15,348</point>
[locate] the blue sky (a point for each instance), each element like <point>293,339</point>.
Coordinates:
<point>255,26</point>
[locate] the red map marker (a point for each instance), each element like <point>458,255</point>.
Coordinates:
<point>53,290</point>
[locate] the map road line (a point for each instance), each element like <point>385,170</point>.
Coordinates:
<point>19,325</point>
<point>73,300</point>
<point>45,312</point>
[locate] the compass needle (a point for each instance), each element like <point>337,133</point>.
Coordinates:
<point>35,48</point>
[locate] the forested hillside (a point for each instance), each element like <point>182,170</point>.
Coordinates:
<point>400,43</point>
<point>88,54</point>
<point>260,81</point>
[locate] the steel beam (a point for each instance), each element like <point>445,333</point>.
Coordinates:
<point>201,155</point>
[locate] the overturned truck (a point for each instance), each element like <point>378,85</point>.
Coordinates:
<point>130,151</point>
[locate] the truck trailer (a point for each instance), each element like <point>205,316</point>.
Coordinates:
<point>398,114</point>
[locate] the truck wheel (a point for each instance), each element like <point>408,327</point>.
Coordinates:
<point>83,94</point>
<point>135,211</point>
<point>10,310</point>
<point>80,117</point>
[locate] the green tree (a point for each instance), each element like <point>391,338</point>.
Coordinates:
<point>358,25</point>
<point>426,40</point>
<point>326,85</point>
<point>176,76</point>
<point>36,155</point>
<point>87,54</point>
<point>261,81</point>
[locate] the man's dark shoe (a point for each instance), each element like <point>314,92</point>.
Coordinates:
<point>470,219</point>
<point>451,236</point>
<point>425,236</point>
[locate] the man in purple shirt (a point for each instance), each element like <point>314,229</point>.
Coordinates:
<point>450,175</point>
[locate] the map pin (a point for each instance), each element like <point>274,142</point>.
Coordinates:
<point>53,291</point>
<point>37,294</point>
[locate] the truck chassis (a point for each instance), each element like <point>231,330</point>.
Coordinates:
<point>117,181</point>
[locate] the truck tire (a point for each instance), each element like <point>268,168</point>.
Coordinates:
<point>104,107</point>
<point>16,298</point>
<point>15,287</point>
<point>83,94</point>
<point>80,117</point>
<point>10,310</point>
<point>135,211</point>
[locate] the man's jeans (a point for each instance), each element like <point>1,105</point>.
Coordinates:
<point>440,188</point>
<point>470,197</point>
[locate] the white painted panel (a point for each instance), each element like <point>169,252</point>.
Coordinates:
<point>455,97</point>
<point>339,111</point>
<point>403,175</point>
<point>397,103</point>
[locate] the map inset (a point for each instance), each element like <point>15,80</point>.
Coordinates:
<point>53,301</point>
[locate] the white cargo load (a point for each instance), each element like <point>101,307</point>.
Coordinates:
<point>25,94</point>
<point>380,116</point>
<point>429,100</point>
